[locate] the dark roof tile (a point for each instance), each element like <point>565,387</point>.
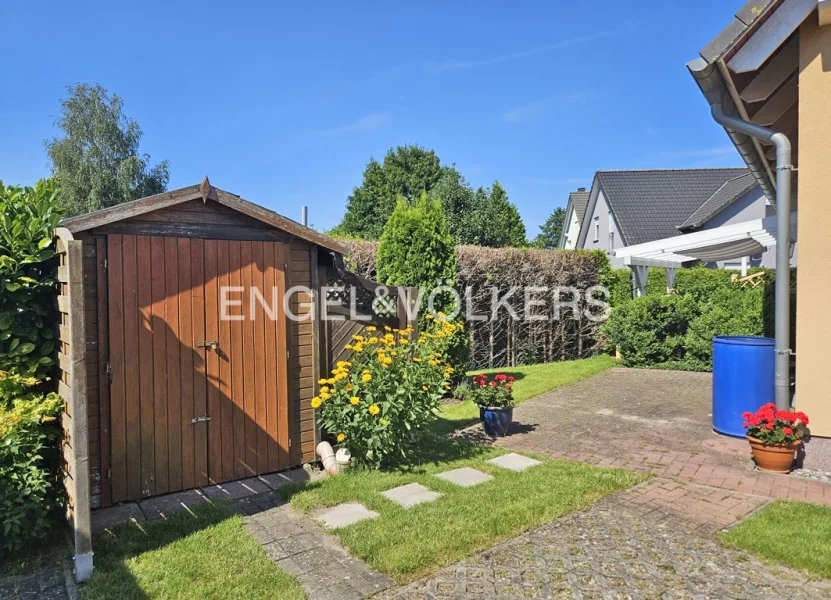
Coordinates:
<point>579,201</point>
<point>650,205</point>
<point>723,197</point>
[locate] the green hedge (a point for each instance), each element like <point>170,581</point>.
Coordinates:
<point>676,330</point>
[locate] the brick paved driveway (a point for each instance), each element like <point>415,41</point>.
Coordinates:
<point>644,420</point>
<point>618,548</point>
<point>655,540</point>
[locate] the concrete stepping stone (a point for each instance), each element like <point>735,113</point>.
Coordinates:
<point>465,476</point>
<point>344,515</point>
<point>514,462</point>
<point>411,494</point>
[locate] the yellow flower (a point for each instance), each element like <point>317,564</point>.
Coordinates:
<point>315,402</point>
<point>330,381</point>
<point>383,421</point>
<point>416,359</point>
<point>348,387</point>
<point>372,340</point>
<point>348,346</point>
<point>358,338</point>
<point>366,377</point>
<point>341,437</point>
<point>387,361</point>
<point>447,387</point>
<point>322,381</point>
<point>324,389</point>
<point>324,396</point>
<point>394,353</point>
<point>354,400</point>
<point>371,328</point>
<point>403,376</point>
<point>441,314</point>
<point>403,341</point>
<point>358,348</point>
<point>424,388</point>
<point>387,328</point>
<point>374,409</point>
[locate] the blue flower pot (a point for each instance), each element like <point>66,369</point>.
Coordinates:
<point>496,421</point>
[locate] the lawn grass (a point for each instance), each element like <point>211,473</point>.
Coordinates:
<point>531,380</point>
<point>406,544</point>
<point>796,534</point>
<point>204,554</point>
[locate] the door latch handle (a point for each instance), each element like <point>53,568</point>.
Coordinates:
<point>201,419</point>
<point>207,344</point>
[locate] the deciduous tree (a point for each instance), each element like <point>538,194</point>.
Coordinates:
<point>96,161</point>
<point>551,230</point>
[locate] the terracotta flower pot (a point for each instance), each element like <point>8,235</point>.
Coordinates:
<point>777,458</point>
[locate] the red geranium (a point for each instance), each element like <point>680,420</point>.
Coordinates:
<point>772,426</point>
<point>495,393</point>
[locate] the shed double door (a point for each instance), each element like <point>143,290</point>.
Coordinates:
<point>199,390</point>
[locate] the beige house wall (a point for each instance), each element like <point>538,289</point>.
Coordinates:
<point>813,325</point>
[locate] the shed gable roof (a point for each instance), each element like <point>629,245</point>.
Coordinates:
<point>204,191</point>
<point>650,205</point>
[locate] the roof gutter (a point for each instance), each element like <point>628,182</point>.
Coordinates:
<point>783,244</point>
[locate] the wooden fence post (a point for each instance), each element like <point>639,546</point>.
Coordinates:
<point>73,389</point>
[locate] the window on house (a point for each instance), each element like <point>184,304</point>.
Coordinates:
<point>611,241</point>
<point>597,232</point>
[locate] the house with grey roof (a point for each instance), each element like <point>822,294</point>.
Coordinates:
<point>575,211</point>
<point>627,208</point>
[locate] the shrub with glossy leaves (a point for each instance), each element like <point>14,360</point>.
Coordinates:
<point>28,217</point>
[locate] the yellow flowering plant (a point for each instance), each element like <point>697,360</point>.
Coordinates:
<point>390,388</point>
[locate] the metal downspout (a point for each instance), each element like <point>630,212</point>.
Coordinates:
<point>783,245</point>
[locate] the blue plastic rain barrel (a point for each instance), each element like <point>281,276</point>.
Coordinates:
<point>743,368</point>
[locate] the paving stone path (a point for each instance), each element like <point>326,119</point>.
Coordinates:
<point>302,548</point>
<point>648,421</point>
<point>625,546</point>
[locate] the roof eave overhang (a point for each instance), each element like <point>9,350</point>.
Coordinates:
<point>718,89</point>
<point>204,191</point>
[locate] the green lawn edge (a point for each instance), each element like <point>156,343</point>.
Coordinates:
<point>406,544</point>
<point>794,534</point>
<point>203,553</point>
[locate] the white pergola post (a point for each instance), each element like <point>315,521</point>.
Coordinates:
<point>744,266</point>
<point>641,273</point>
<point>670,271</point>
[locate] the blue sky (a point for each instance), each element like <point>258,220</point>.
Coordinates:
<point>284,103</point>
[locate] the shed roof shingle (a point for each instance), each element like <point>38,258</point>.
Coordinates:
<point>650,205</point>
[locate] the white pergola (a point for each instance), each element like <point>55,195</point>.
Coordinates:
<point>729,242</point>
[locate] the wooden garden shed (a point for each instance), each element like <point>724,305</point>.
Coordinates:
<point>177,394</point>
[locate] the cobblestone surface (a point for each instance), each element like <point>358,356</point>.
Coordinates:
<point>645,420</point>
<point>45,581</point>
<point>624,546</point>
<point>302,548</point>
